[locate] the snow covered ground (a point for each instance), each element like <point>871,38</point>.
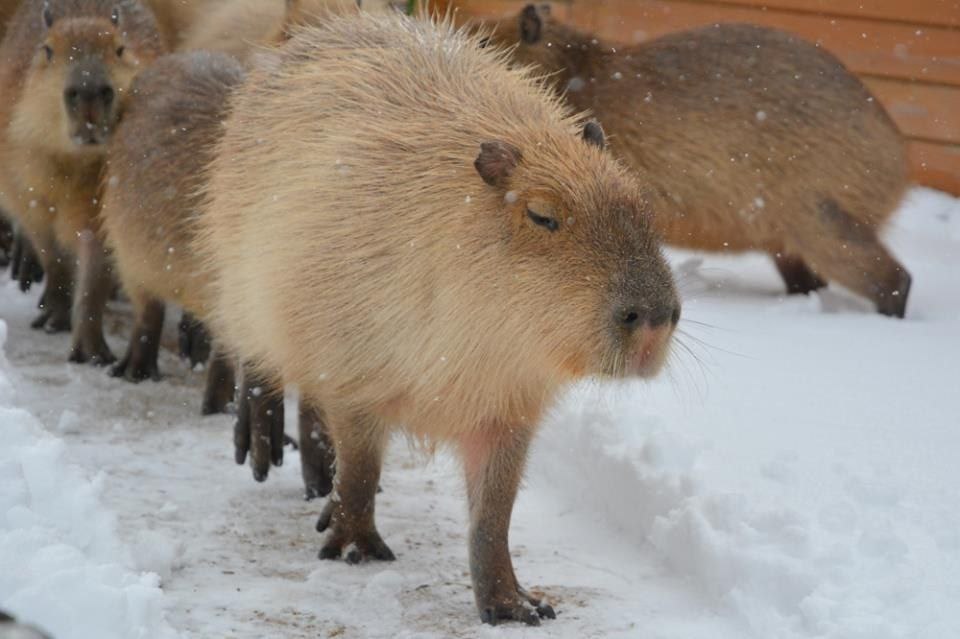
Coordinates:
<point>795,476</point>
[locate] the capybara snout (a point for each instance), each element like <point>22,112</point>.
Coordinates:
<point>89,98</point>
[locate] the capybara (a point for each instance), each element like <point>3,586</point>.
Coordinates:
<point>65,66</point>
<point>753,138</point>
<point>440,245</point>
<point>154,173</point>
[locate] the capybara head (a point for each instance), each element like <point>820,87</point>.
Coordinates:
<point>79,76</point>
<point>582,245</point>
<point>539,39</point>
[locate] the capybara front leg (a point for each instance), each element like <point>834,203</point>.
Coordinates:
<point>220,388</point>
<point>140,361</point>
<point>193,340</point>
<point>93,288</point>
<point>797,276</point>
<point>55,306</point>
<point>316,451</point>
<point>348,517</point>
<point>259,427</point>
<point>494,463</point>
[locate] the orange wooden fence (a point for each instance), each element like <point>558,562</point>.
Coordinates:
<point>907,51</point>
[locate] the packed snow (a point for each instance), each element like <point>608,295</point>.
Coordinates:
<point>793,474</point>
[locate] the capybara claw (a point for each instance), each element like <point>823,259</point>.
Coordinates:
<point>98,355</point>
<point>524,608</point>
<point>369,547</point>
<point>51,321</point>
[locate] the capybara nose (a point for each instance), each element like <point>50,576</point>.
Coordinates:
<point>87,97</point>
<point>630,318</point>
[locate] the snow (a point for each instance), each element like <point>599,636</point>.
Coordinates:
<point>792,475</point>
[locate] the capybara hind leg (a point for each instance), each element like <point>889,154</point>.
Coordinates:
<point>55,306</point>
<point>259,427</point>
<point>93,288</point>
<point>494,464</point>
<point>797,276</point>
<point>348,517</point>
<point>194,340</point>
<point>850,252</point>
<point>221,384</point>
<point>316,451</point>
<point>140,361</point>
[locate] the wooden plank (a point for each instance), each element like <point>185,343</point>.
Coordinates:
<point>878,48</point>
<point>945,13</point>
<point>921,111</point>
<point>936,165</point>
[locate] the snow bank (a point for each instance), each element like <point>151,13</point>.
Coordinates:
<point>843,570</point>
<point>62,567</point>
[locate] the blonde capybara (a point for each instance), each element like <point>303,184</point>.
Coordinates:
<point>753,138</point>
<point>440,245</point>
<point>65,67</point>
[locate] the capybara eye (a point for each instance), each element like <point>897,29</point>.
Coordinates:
<point>49,52</point>
<point>120,52</point>
<point>541,220</point>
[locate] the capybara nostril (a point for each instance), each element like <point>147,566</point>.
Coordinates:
<point>663,314</point>
<point>106,95</point>
<point>71,96</point>
<point>630,318</point>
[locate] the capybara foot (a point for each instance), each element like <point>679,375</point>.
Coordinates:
<point>894,302</point>
<point>91,351</point>
<point>317,478</point>
<point>25,267</point>
<point>797,276</point>
<point>354,544</point>
<point>135,369</point>
<point>259,427</point>
<point>52,319</point>
<point>194,340</point>
<point>515,606</point>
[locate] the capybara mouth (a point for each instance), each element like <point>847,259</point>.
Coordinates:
<point>91,135</point>
<point>643,356</point>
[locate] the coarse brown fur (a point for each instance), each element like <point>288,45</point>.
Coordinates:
<point>57,54</point>
<point>754,139</point>
<point>438,246</point>
<point>7,9</point>
<point>151,197</point>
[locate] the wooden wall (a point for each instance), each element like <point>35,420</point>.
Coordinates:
<point>907,52</point>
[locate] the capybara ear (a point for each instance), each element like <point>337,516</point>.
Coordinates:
<point>115,15</point>
<point>46,15</point>
<point>497,161</point>
<point>531,24</point>
<point>593,134</point>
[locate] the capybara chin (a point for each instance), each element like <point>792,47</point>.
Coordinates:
<point>65,66</point>
<point>753,138</point>
<point>440,245</point>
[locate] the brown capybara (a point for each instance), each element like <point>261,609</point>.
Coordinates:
<point>65,66</point>
<point>441,246</point>
<point>157,159</point>
<point>753,138</point>
<point>154,173</point>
